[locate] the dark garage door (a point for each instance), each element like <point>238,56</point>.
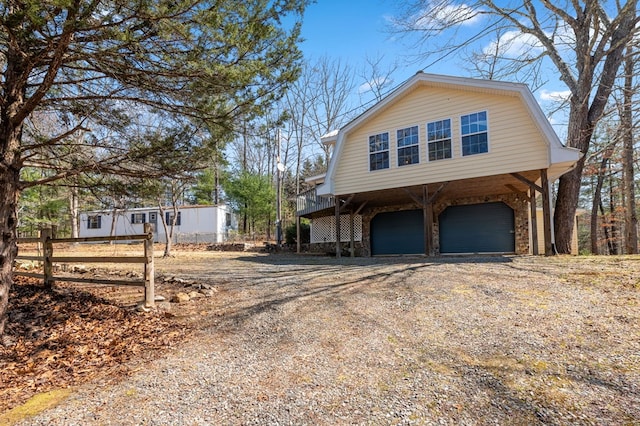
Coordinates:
<point>477,228</point>
<point>397,233</point>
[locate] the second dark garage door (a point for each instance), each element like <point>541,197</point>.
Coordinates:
<point>477,228</point>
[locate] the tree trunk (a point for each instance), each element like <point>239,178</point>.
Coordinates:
<point>566,206</point>
<point>605,228</point>
<point>9,193</point>
<point>613,227</point>
<point>597,196</point>
<point>10,166</point>
<point>114,221</point>
<point>73,210</point>
<point>630,217</point>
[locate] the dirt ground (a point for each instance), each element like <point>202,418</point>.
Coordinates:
<point>398,340</point>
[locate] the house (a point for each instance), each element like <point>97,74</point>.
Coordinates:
<point>195,224</point>
<point>441,165</point>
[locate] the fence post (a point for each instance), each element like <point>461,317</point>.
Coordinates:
<point>149,290</point>
<point>47,254</point>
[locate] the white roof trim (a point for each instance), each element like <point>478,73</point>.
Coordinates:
<point>316,178</point>
<point>557,152</point>
<point>330,138</point>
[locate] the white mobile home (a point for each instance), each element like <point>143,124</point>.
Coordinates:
<point>195,224</point>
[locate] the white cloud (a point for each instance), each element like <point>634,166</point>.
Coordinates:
<point>514,44</point>
<point>555,96</point>
<point>442,14</point>
<point>376,82</point>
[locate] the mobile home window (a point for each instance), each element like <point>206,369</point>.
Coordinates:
<point>439,139</point>
<point>169,218</point>
<point>227,218</point>
<point>379,151</point>
<point>94,222</point>
<point>408,151</point>
<point>138,218</point>
<point>473,128</point>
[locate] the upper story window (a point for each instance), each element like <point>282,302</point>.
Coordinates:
<point>379,151</point>
<point>94,222</point>
<point>408,151</point>
<point>473,128</point>
<point>138,218</point>
<point>439,139</point>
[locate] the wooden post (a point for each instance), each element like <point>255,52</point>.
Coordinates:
<point>546,211</point>
<point>298,236</point>
<point>149,273</point>
<point>47,254</point>
<point>427,214</point>
<point>352,243</point>
<point>338,247</point>
<point>534,221</point>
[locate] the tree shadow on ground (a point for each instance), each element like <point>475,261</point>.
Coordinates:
<point>309,259</point>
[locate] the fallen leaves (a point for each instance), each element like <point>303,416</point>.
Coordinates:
<point>64,337</point>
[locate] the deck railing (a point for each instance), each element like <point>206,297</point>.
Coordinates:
<point>309,201</point>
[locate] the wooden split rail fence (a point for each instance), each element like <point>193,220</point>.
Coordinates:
<point>48,259</point>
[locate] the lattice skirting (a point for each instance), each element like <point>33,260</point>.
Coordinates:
<point>323,229</point>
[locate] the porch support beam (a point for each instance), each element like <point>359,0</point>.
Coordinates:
<point>359,209</point>
<point>546,211</point>
<point>352,243</point>
<point>427,212</point>
<point>347,202</point>
<point>419,201</point>
<point>337,214</point>
<point>435,195</point>
<point>534,222</point>
<point>298,245</point>
<point>528,182</point>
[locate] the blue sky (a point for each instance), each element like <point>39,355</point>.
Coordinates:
<point>351,30</point>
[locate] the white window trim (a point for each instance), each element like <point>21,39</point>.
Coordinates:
<point>398,148</point>
<point>389,150</point>
<point>426,137</point>
<point>488,134</point>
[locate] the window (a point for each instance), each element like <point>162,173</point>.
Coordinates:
<point>474,133</point>
<point>94,222</point>
<point>169,218</point>
<point>227,219</point>
<point>138,217</point>
<point>408,152</point>
<point>439,139</point>
<point>379,151</point>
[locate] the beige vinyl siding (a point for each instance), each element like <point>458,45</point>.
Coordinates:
<point>515,143</point>
<point>540,228</point>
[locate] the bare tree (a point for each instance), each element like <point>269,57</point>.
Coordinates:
<point>503,59</point>
<point>583,40</point>
<point>377,77</point>
<point>631,219</point>
<point>334,84</point>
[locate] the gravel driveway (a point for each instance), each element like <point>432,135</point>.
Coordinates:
<point>311,340</point>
